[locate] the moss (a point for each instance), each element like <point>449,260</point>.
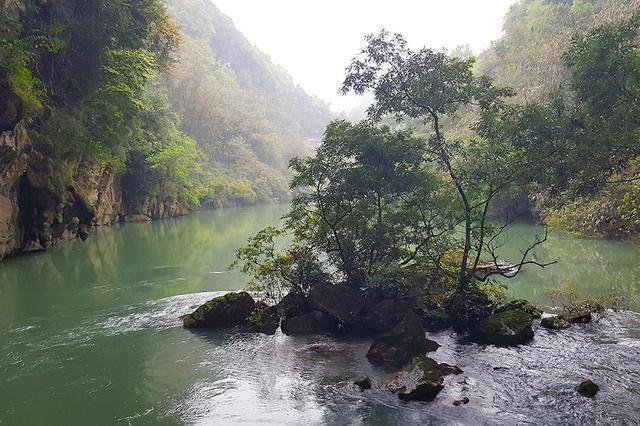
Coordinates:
<point>255,319</point>
<point>523,306</point>
<point>554,323</point>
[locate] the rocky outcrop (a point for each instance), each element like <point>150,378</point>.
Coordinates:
<point>264,319</point>
<point>338,301</point>
<point>422,380</point>
<point>508,328</point>
<point>579,317</point>
<point>229,310</point>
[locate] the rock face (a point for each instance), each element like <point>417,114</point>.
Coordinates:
<point>382,317</point>
<point>422,380</point>
<point>36,213</point>
<point>314,322</point>
<point>405,341</point>
<point>588,388</point>
<point>508,328</point>
<point>338,301</point>
<point>554,323</point>
<point>226,311</point>
<point>521,305</point>
<point>364,383</point>
<point>263,319</point>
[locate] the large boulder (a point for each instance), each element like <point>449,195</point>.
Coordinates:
<point>339,301</point>
<point>263,319</point>
<point>225,311</point>
<point>422,380</point>
<point>405,341</point>
<point>293,305</point>
<point>314,322</point>
<point>554,323</point>
<point>508,328</point>
<point>521,305</point>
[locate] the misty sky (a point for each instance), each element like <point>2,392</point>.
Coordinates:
<point>315,39</point>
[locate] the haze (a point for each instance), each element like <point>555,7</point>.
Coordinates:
<point>315,40</point>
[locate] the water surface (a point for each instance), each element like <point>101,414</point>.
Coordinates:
<point>89,335</point>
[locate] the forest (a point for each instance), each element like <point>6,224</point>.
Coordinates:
<point>470,229</point>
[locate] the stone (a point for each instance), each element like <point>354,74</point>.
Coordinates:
<point>364,383</point>
<point>383,316</point>
<point>263,319</point>
<point>404,342</point>
<point>521,305</point>
<point>422,380</point>
<point>339,301</point>
<point>293,305</point>
<point>225,311</point>
<point>508,328</point>
<point>588,388</point>
<point>554,323</point>
<point>131,218</point>
<point>463,401</point>
<point>580,317</point>
<point>314,322</point>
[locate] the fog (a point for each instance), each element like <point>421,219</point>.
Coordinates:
<point>314,40</point>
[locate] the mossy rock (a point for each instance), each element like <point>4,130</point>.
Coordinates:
<point>263,319</point>
<point>554,323</point>
<point>521,305</point>
<point>580,317</point>
<point>508,328</point>
<point>225,311</point>
<point>422,380</point>
<point>314,322</point>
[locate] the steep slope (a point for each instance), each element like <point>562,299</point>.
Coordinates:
<point>246,113</point>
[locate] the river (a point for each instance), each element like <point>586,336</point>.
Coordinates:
<point>89,335</point>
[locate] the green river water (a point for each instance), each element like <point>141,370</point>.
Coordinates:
<point>89,335</point>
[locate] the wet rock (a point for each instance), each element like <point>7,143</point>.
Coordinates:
<point>293,305</point>
<point>406,340</point>
<point>264,319</point>
<point>339,301</point>
<point>508,328</point>
<point>521,305</point>
<point>588,388</point>
<point>314,322</point>
<point>468,306</point>
<point>463,401</point>
<point>383,316</point>
<point>580,317</point>
<point>364,383</point>
<point>422,380</point>
<point>225,311</point>
<point>434,319</point>
<point>137,218</point>
<point>554,323</point>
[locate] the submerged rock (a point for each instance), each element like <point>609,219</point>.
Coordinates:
<point>364,383</point>
<point>588,388</point>
<point>521,305</point>
<point>339,301</point>
<point>293,305</point>
<point>225,311</point>
<point>508,328</point>
<point>314,322</point>
<point>463,401</point>
<point>406,340</point>
<point>264,319</point>
<point>580,317</point>
<point>422,380</point>
<point>554,323</point>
